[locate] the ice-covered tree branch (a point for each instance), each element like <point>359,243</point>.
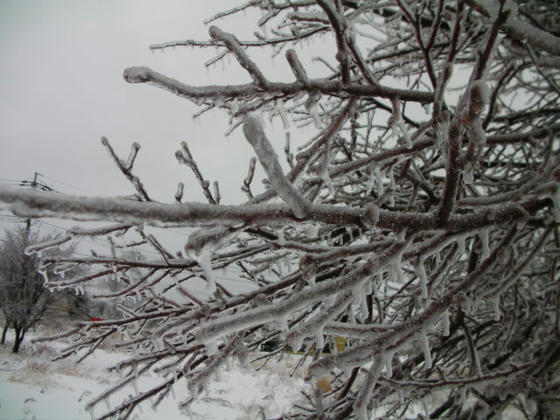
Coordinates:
<point>417,222</point>
<point>327,87</point>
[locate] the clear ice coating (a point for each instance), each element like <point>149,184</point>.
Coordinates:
<point>200,246</point>
<point>445,323</point>
<point>255,135</point>
<point>484,239</point>
<point>422,277</point>
<point>424,343</point>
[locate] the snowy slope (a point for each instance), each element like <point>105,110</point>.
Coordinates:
<point>34,387</point>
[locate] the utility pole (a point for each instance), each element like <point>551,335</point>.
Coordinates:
<point>35,183</point>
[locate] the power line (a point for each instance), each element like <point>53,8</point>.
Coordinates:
<point>67,184</point>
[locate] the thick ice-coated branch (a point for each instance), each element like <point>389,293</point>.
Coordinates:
<point>452,164</point>
<point>364,395</point>
<point>340,29</point>
<point>297,67</point>
<point>479,96</point>
<point>255,135</point>
<point>327,87</point>
<point>47,244</point>
<point>233,45</point>
<point>361,331</point>
<point>520,30</point>
<point>42,204</point>
<point>158,264</point>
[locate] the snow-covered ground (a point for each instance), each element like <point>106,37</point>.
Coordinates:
<point>32,386</point>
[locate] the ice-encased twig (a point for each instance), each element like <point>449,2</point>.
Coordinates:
<point>395,338</point>
<point>309,327</point>
<point>198,380</point>
<point>268,158</point>
<point>146,75</point>
<point>364,395</point>
<point>42,204</point>
<point>233,45</point>
<point>216,328</point>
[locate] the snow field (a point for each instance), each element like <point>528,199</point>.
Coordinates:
<point>32,386</point>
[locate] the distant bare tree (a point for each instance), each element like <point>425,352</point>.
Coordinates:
<point>419,221</point>
<point>23,298</point>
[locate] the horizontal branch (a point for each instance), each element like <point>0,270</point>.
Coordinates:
<point>43,204</point>
<point>244,43</point>
<point>181,263</point>
<point>524,136</point>
<point>325,86</point>
<point>453,383</point>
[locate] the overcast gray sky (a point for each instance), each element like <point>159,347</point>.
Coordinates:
<point>62,89</point>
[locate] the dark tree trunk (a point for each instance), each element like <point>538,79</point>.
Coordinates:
<point>4,332</point>
<point>19,334</point>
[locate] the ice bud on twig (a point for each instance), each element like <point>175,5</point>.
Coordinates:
<point>134,148</point>
<point>179,192</point>
<point>371,215</point>
<point>479,96</point>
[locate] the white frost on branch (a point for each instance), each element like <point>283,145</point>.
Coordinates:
<point>396,123</point>
<point>484,239</point>
<point>216,328</point>
<point>31,249</point>
<point>371,215</point>
<point>200,246</point>
<point>496,307</point>
<point>364,395</point>
<point>378,180</point>
<point>254,132</point>
<point>422,277</point>
<point>556,201</point>
<point>424,343</point>
<point>468,175</point>
<point>314,326</point>
<point>283,115</point>
<point>444,320</point>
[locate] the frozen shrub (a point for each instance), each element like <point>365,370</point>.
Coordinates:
<point>418,222</point>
